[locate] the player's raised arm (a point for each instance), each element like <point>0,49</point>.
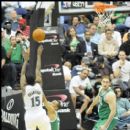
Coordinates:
<point>38,65</point>
<point>23,71</point>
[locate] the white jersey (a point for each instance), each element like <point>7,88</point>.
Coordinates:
<point>33,97</point>
<point>35,115</point>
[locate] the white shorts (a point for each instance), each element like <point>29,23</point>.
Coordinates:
<point>37,118</point>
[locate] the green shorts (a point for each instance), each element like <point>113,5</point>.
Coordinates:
<point>102,122</point>
<point>55,125</point>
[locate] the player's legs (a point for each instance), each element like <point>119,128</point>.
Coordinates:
<point>43,122</point>
<point>29,122</point>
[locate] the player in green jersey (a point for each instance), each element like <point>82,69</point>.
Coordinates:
<point>106,107</point>
<point>52,108</point>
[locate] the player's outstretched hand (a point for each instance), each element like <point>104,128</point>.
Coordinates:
<point>40,49</point>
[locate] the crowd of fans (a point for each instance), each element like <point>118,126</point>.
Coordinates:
<point>94,52</point>
<point>15,35</point>
<point>89,52</point>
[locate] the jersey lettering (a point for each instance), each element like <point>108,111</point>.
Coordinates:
<point>35,101</point>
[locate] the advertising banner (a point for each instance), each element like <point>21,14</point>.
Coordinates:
<point>12,111</point>
<point>52,72</point>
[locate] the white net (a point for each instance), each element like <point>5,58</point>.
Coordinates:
<point>105,17</point>
<point>104,12</point>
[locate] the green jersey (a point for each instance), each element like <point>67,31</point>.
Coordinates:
<point>103,108</point>
<point>55,125</point>
<point>104,111</point>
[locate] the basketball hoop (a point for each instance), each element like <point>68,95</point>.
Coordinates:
<point>103,13</point>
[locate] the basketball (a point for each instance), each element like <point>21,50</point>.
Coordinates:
<point>38,35</point>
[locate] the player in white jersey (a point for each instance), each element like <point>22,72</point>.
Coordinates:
<point>35,115</point>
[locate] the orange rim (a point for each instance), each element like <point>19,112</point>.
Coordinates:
<point>100,7</point>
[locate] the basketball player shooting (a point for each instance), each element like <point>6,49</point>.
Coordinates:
<point>35,116</point>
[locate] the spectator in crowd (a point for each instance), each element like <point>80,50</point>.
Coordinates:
<point>120,18</point>
<point>115,34</point>
<point>126,46</point>
<point>87,48</point>
<point>79,27</point>
<point>24,28</point>
<point>67,73</point>
<point>95,36</point>
<point>14,54</point>
<point>14,20</point>
<point>21,39</point>
<point>96,22</point>
<point>123,109</point>
<point>121,71</point>
<point>108,47</point>
<point>15,51</point>
<point>106,99</point>
<point>77,87</point>
<point>102,67</point>
<point>76,70</point>
<point>85,63</point>
<point>69,46</point>
<point>8,31</point>
<point>8,71</point>
<point>84,20</point>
